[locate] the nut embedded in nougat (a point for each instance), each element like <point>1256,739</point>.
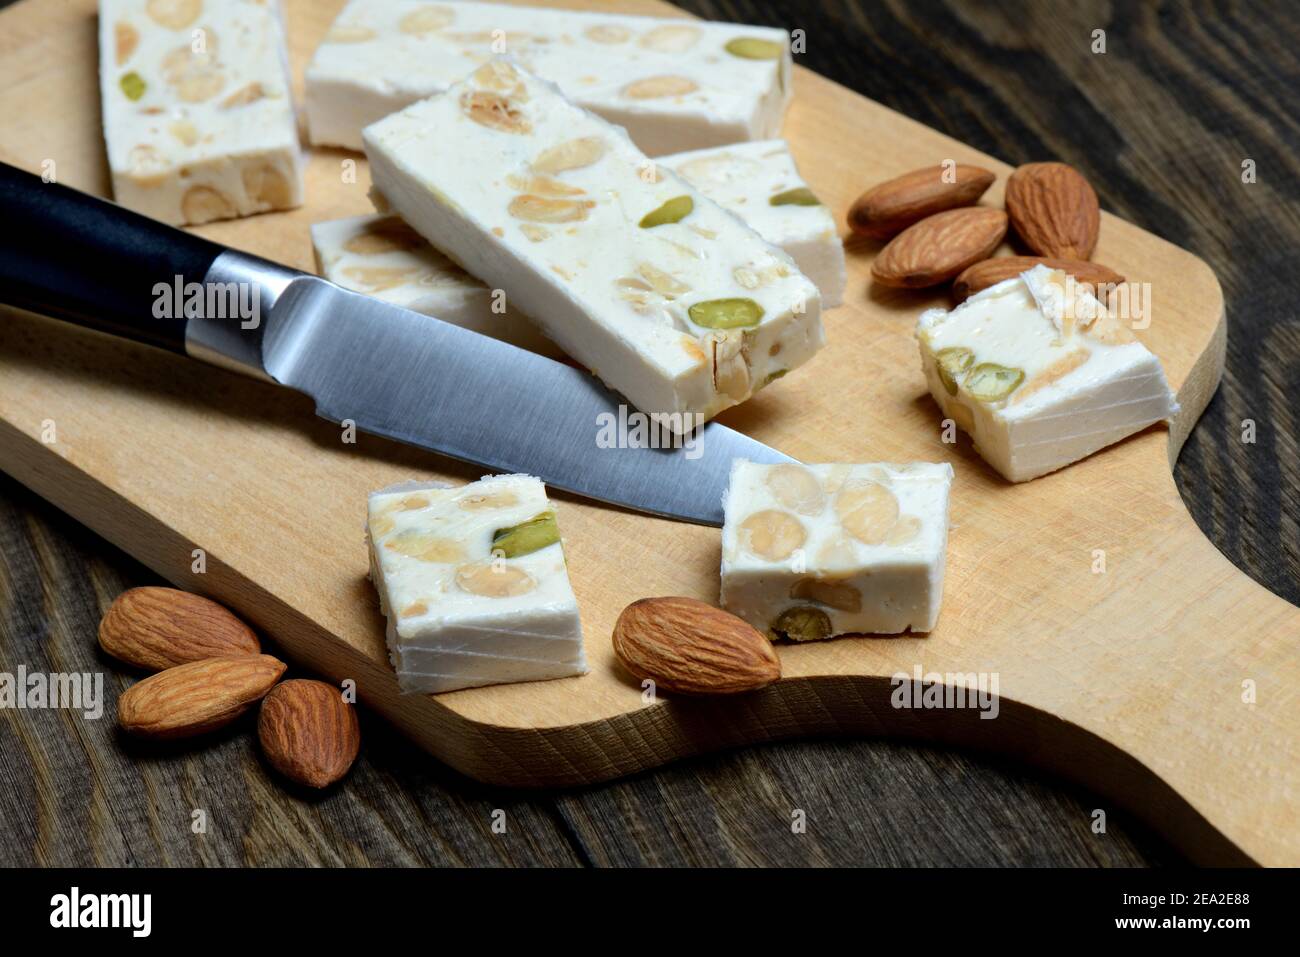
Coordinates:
<point>1040,373</point>
<point>865,552</point>
<point>474,584</point>
<point>196,108</point>
<point>612,267</point>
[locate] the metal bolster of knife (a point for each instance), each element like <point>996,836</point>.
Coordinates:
<point>235,343</point>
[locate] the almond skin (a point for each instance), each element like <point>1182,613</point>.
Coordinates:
<point>197,697</point>
<point>1054,210</point>
<point>308,732</point>
<point>159,628</point>
<point>939,247</point>
<point>889,208</point>
<point>990,272</point>
<point>689,647</point>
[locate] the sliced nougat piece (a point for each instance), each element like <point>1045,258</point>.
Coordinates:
<point>815,551</point>
<point>382,257</point>
<point>1040,374</point>
<point>760,183</point>
<point>196,105</point>
<point>672,84</point>
<point>474,584</point>
<point>660,292</point>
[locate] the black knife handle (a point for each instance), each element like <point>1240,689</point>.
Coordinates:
<point>72,256</point>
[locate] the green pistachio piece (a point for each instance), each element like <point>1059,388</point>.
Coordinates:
<point>802,196</point>
<point>726,313</point>
<point>752,48</point>
<point>952,362</point>
<point>673,211</point>
<point>132,85</point>
<point>989,381</point>
<point>527,537</point>
<point>802,623</point>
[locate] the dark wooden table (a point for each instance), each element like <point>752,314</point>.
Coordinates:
<point>1161,123</point>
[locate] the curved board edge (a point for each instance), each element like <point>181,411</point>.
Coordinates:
<point>823,706</point>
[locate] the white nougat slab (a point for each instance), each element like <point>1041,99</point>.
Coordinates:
<point>656,289</point>
<point>198,118</point>
<point>673,84</point>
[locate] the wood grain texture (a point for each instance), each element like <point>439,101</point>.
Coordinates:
<point>77,793</point>
<point>902,44</point>
<point>1160,124</point>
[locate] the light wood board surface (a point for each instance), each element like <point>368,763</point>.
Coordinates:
<point>1130,681</point>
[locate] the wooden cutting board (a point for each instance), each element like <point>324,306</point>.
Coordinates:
<point>1167,683</point>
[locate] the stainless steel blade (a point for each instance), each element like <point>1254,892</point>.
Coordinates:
<point>419,380</point>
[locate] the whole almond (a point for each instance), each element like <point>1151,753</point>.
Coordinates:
<point>889,208</point>
<point>990,272</point>
<point>158,628</point>
<point>308,732</point>
<point>690,647</point>
<point>1054,210</point>
<point>197,697</point>
<point>939,247</point>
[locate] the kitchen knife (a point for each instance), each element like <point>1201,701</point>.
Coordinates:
<point>391,371</point>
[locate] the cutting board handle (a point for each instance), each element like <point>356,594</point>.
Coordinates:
<point>74,257</point>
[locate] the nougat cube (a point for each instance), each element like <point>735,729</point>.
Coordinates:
<point>816,551</point>
<point>1040,374</point>
<point>474,584</point>
<point>197,111</point>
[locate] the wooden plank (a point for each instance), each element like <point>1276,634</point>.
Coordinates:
<point>866,802</point>
<point>1123,680</point>
<point>76,792</point>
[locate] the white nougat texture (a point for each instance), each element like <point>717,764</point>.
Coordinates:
<point>673,84</point>
<point>1040,374</point>
<point>760,183</point>
<point>380,256</point>
<point>815,551</point>
<point>668,298</point>
<point>198,117</point>
<point>474,584</point>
